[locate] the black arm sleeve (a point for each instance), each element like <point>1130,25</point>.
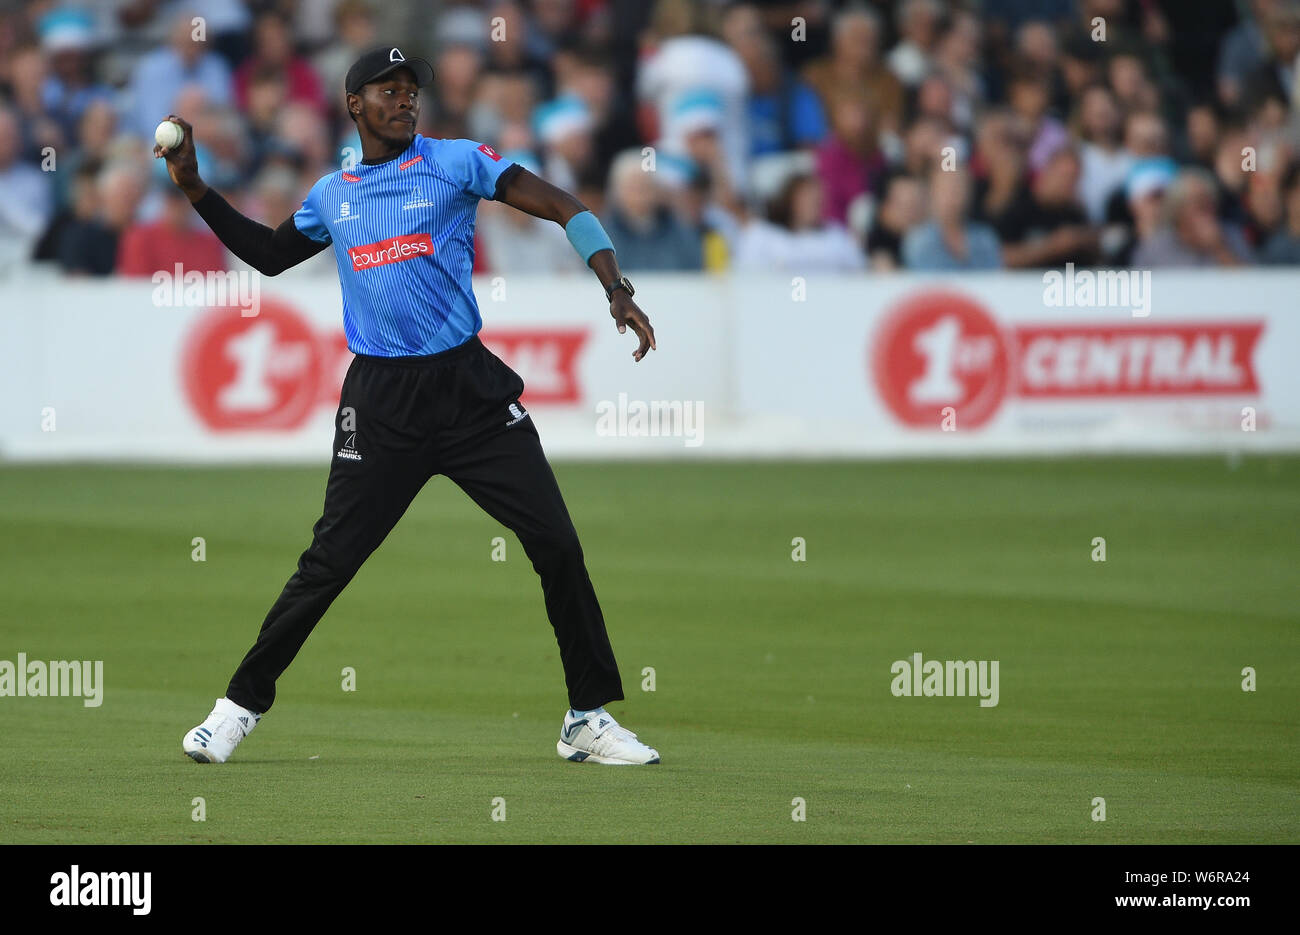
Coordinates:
<point>504,179</point>
<point>270,252</point>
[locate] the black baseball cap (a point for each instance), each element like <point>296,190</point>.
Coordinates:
<point>377,63</point>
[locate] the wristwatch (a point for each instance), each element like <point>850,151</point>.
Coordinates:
<point>621,284</point>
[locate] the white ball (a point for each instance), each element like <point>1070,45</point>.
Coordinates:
<point>169,135</point>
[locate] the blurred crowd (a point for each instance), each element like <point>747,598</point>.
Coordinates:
<point>802,136</point>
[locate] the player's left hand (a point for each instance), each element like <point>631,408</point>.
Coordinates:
<point>626,314</point>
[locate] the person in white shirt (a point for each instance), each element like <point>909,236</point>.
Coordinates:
<point>1105,162</point>
<point>794,236</point>
<point>686,63</point>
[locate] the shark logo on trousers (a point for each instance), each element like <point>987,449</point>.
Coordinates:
<point>349,450</point>
<point>518,414</point>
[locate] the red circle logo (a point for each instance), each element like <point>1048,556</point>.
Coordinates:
<point>937,350</point>
<point>261,372</point>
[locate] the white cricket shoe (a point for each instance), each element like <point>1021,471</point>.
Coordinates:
<point>216,738</point>
<point>597,738</point>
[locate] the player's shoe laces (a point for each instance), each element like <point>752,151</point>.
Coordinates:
<point>216,738</point>
<point>597,738</point>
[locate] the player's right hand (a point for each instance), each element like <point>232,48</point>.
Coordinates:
<point>182,164</point>
<point>626,315</point>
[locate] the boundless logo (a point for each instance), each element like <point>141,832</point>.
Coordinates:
<point>391,251</point>
<point>103,889</point>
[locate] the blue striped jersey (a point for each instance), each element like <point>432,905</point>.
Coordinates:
<point>403,237</point>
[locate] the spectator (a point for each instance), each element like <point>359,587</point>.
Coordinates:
<point>28,79</point>
<point>950,240</point>
<point>1144,193</point>
<point>784,113</point>
<point>1145,135</point>
<point>1146,138</point>
<point>854,68</point>
<point>696,206</point>
<point>161,75</point>
<point>1134,211</point>
<point>1081,64</point>
<point>1038,48</point>
<point>26,206</point>
<point>526,50</point>
<point>695,143</point>
<point>173,238</point>
<point>266,100</point>
<point>957,60</point>
<point>275,195</point>
<point>795,236</point>
<point>919,23</point>
<point>1028,96</point>
<point>67,37</point>
<point>564,129</point>
<point>306,135</point>
<point>688,60</point>
<point>273,49</point>
<point>1105,163</point>
<point>1264,208</point>
<point>88,246</point>
<point>1243,51</point>
<point>1005,17</point>
<point>1204,126</point>
<point>501,101</point>
<point>645,234</point>
<point>1276,75</point>
<point>1190,232</point>
<point>1230,175</point>
<point>79,208</point>
<point>354,28</point>
<point>227,23</point>
<point>1127,76</point>
<point>223,150</point>
<point>934,99</point>
<point>925,142</point>
<point>902,208</point>
<point>849,162</point>
<point>95,134</point>
<point>613,115</point>
<point>1001,179</point>
<point>1048,227</point>
<point>1283,248</point>
<point>459,71</point>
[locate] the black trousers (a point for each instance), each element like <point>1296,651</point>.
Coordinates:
<point>401,421</point>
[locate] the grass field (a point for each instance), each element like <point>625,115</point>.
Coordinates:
<point>1119,679</point>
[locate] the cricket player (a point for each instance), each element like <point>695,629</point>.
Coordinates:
<point>422,396</point>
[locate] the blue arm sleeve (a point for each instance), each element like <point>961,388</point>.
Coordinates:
<point>587,235</point>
